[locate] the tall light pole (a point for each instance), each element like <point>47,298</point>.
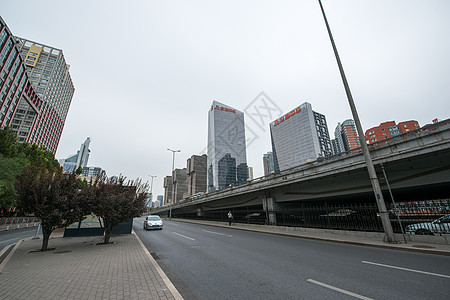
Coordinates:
<point>389,236</point>
<point>151,187</point>
<point>173,168</point>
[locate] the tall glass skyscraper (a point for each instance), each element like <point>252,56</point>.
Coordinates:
<point>299,136</point>
<point>227,157</point>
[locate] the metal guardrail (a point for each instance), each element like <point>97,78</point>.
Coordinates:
<point>18,222</point>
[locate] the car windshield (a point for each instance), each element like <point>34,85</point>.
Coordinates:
<point>154,218</point>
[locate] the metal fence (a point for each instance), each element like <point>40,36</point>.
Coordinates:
<point>416,217</point>
<point>18,222</point>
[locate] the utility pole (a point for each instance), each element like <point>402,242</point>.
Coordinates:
<point>173,168</point>
<point>389,236</point>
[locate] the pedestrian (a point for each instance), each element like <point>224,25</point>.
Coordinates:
<point>230,218</point>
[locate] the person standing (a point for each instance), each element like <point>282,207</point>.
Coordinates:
<point>230,218</point>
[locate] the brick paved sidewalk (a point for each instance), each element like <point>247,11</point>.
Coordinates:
<point>79,268</point>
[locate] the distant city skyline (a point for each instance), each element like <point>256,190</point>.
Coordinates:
<point>136,104</point>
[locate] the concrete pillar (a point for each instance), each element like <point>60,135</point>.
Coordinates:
<point>269,206</point>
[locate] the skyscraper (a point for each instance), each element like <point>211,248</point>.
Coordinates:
<point>196,174</point>
<point>168,184</point>
<point>299,136</point>
<point>268,163</point>
<point>226,146</point>
<point>80,159</point>
<point>179,185</point>
<point>49,76</point>
<point>20,105</point>
<point>346,137</point>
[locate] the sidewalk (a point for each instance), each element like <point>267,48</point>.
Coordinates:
<point>79,268</point>
<point>423,244</point>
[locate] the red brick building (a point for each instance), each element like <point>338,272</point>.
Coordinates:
<point>389,129</point>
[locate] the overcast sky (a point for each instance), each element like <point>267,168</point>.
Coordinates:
<point>146,72</point>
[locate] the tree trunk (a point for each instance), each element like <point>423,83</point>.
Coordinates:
<point>109,226</point>
<point>46,232</point>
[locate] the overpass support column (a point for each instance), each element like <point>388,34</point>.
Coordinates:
<point>269,206</point>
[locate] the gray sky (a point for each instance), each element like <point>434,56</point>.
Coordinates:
<point>146,72</point>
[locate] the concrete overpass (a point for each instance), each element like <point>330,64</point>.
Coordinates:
<point>417,166</point>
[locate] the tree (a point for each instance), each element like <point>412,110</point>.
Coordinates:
<point>116,202</point>
<point>52,197</point>
<point>14,157</point>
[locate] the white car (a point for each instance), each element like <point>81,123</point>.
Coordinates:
<point>438,226</point>
<point>153,222</point>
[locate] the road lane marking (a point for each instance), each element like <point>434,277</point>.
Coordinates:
<point>186,237</point>
<point>14,239</point>
<point>405,269</point>
<point>338,289</point>
<point>217,233</point>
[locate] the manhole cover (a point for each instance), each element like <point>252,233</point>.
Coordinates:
<point>423,246</point>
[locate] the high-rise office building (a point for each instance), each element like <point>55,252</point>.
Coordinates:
<point>20,105</point>
<point>167,185</point>
<point>389,129</point>
<point>268,163</point>
<point>346,137</point>
<point>49,76</point>
<point>250,173</point>
<point>179,185</point>
<point>298,137</point>
<point>226,146</point>
<point>196,174</point>
<point>80,159</point>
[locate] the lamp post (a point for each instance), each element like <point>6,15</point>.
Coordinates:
<point>389,236</point>
<point>151,187</point>
<point>173,168</point>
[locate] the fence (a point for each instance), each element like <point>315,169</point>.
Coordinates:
<point>353,216</point>
<point>14,223</point>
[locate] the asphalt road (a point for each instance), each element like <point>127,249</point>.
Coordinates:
<point>205,262</point>
<point>10,237</point>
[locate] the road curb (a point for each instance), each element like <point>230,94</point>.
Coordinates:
<point>163,275</point>
<point>10,254</point>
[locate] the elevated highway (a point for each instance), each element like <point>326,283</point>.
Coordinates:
<point>417,167</point>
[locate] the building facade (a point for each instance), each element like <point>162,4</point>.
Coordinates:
<point>250,173</point>
<point>196,174</point>
<point>80,159</point>
<point>298,137</point>
<point>167,185</point>
<point>226,146</point>
<point>389,129</point>
<point>50,78</point>
<point>268,163</point>
<point>179,185</point>
<point>20,105</point>
<point>346,137</point>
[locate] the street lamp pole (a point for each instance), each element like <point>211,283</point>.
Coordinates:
<point>173,168</point>
<point>151,187</point>
<point>389,236</point>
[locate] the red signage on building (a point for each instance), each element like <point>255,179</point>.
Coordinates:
<point>223,108</point>
<point>287,116</point>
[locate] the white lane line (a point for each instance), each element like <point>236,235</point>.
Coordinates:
<point>217,233</point>
<point>405,269</point>
<point>186,237</point>
<point>338,289</point>
<point>4,249</point>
